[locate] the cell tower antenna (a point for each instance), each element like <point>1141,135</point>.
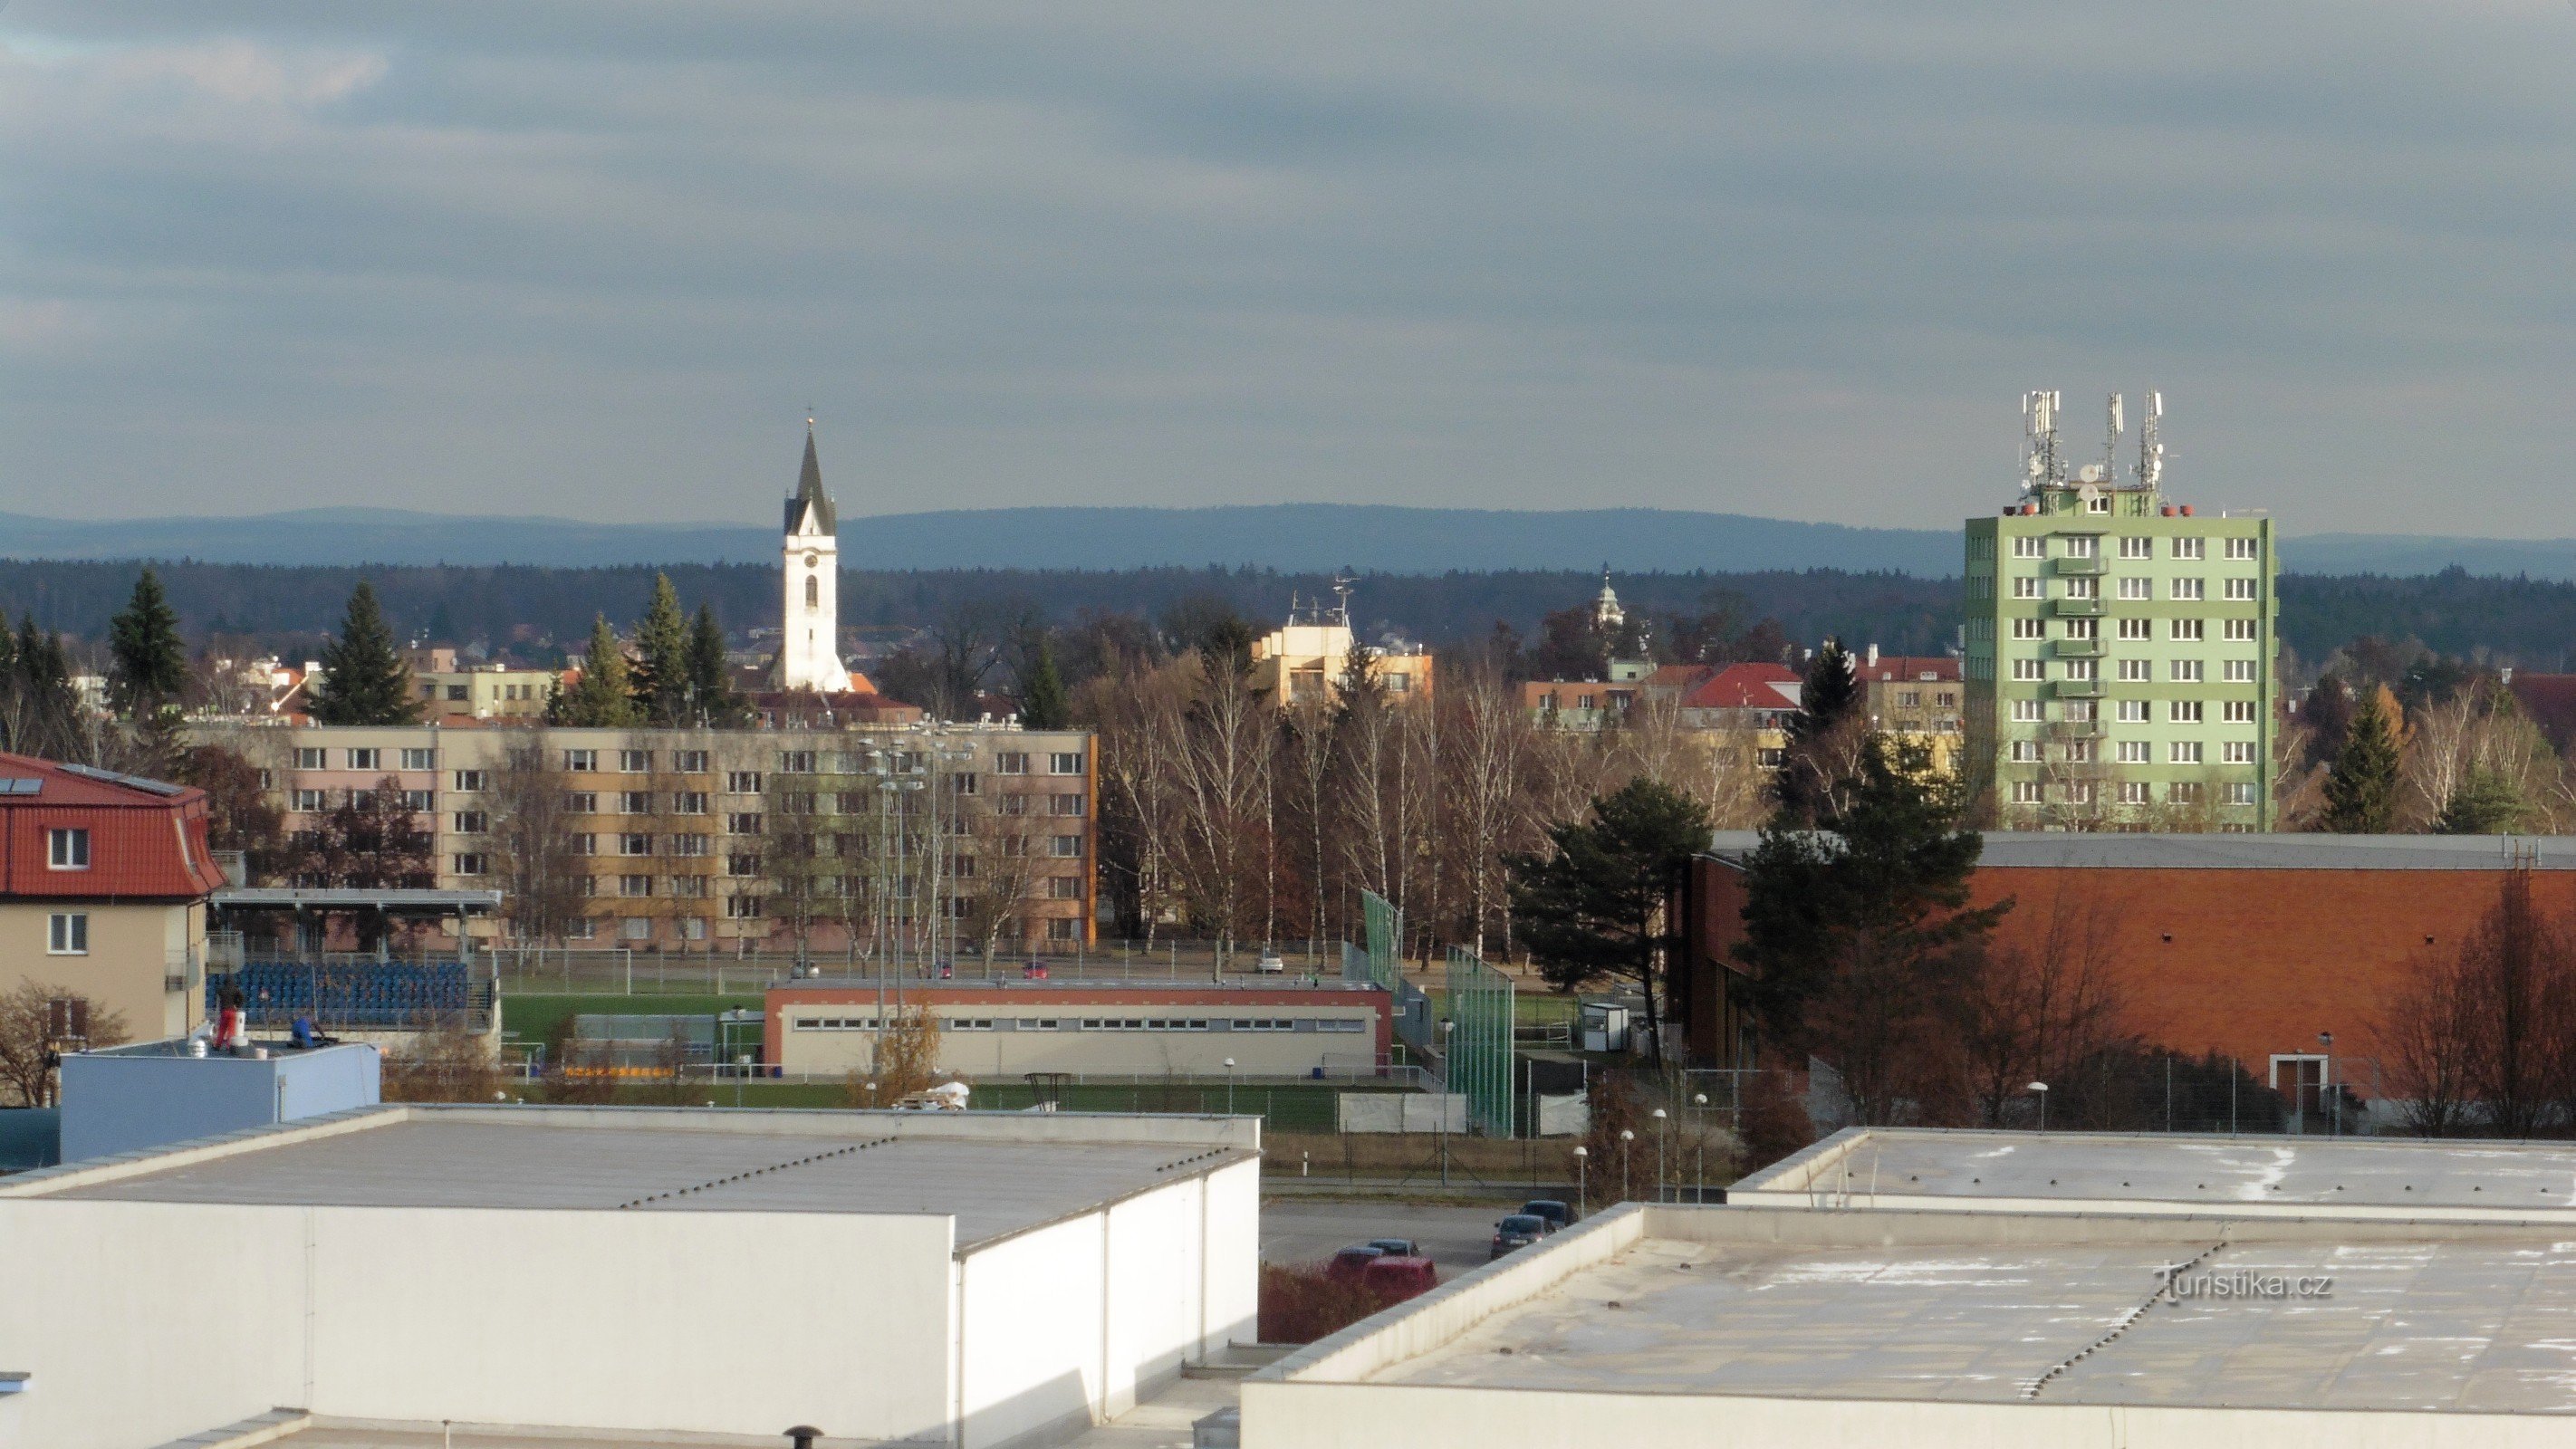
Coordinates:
<point>1342,591</point>
<point>2151,449</point>
<point>2041,466</point>
<point>2111,444</point>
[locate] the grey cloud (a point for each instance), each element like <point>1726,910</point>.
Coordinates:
<point>1796,259</point>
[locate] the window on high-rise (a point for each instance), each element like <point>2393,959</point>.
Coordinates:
<point>2190,548</point>
<point>2187,630</point>
<point>2242,548</point>
<point>2136,671</point>
<point>2026,588</point>
<point>2186,671</point>
<point>2189,589</point>
<point>2238,631</point>
<point>2030,546</point>
<point>2183,752</point>
<point>2137,546</point>
<point>2137,589</point>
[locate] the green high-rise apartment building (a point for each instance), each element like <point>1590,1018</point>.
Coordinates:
<point>2118,666</point>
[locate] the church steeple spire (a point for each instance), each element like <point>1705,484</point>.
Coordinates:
<point>810,511</point>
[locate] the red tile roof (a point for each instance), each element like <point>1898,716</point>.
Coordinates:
<point>147,840</point>
<point>1747,686</point>
<point>1906,666</point>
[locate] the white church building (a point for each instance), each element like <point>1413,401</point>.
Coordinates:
<point>809,634</point>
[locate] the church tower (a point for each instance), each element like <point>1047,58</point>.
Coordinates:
<point>809,633</point>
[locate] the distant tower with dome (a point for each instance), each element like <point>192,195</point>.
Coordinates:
<point>1607,616</point>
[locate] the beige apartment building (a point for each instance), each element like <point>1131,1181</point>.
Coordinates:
<point>797,839</point>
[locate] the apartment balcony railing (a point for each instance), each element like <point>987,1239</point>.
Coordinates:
<point>2076,608</point>
<point>2086,567</point>
<point>2077,648</point>
<point>2078,689</point>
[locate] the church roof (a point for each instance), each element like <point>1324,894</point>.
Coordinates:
<point>810,499</point>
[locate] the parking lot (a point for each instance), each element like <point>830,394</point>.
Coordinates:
<point>1308,1232</point>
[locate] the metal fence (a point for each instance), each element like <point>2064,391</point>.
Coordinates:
<point>1382,961</point>
<point>1477,1059</point>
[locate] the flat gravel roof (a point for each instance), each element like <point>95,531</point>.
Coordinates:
<point>2218,1173</point>
<point>2461,1325</point>
<point>991,1188</point>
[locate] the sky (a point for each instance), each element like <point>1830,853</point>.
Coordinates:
<point>597,258</point>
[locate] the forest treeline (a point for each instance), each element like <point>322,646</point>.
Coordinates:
<point>2526,622</point>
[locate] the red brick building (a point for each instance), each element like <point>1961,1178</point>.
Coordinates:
<point>2246,945</point>
<point>103,887</point>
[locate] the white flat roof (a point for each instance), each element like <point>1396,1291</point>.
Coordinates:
<point>1960,1307</point>
<point>995,1174</point>
<point>2387,1176</point>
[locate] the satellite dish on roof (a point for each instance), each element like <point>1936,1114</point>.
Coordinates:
<point>2088,492</point>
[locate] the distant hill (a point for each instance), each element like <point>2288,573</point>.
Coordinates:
<point>1289,537</point>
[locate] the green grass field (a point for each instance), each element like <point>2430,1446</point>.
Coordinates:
<point>536,1018</point>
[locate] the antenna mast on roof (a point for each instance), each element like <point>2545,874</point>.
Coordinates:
<point>2151,449</point>
<point>1342,592</point>
<point>2111,443</point>
<point>2041,467</point>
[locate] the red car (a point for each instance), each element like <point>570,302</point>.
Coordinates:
<point>1398,1278</point>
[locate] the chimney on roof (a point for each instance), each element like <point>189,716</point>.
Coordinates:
<point>1873,656</point>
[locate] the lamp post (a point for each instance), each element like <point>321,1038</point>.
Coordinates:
<point>1699,1193</point>
<point>2325,1083</point>
<point>1229,1086</point>
<point>1625,1137</point>
<point>2040,1089</point>
<point>1582,1180</point>
<point>1663,1132</point>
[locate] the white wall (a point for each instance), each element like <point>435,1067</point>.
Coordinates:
<point>711,1322</point>
<point>141,1322</point>
<point>1073,1322</point>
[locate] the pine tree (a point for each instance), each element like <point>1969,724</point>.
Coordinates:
<point>2485,802</point>
<point>661,673</point>
<point>364,680</point>
<point>1598,903</point>
<point>2361,790</point>
<point>605,697</point>
<point>1816,768</point>
<point>1043,705</point>
<point>149,666</point>
<point>712,698</point>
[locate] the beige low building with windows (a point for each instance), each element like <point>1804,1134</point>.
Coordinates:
<point>1303,661</point>
<point>1003,1029</point>
<point>730,840</point>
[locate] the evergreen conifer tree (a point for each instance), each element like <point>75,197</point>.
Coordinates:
<point>605,696</point>
<point>661,674</point>
<point>2361,790</point>
<point>1043,705</point>
<point>149,666</point>
<point>711,693</point>
<point>1816,766</point>
<point>364,680</point>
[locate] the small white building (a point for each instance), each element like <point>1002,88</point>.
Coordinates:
<point>623,1274</point>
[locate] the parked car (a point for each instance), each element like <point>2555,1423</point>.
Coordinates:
<point>1350,1263</point>
<point>1519,1230</point>
<point>1398,1276</point>
<point>1271,964</point>
<point>1558,1215</point>
<point>1397,1247</point>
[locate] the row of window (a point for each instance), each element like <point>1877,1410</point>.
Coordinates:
<point>2133,546</point>
<point>2134,752</point>
<point>2139,671</point>
<point>2133,711</point>
<point>683,802</point>
<point>691,762</point>
<point>2135,589</point>
<point>2137,630</point>
<point>2133,792</point>
<point>1100,1023</point>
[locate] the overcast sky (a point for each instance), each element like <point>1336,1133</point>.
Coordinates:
<point>1793,259</point>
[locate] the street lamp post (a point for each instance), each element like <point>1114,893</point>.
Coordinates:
<point>2325,1083</point>
<point>1663,1132</point>
<point>1229,1086</point>
<point>2040,1089</point>
<point>1699,1193</point>
<point>1625,1137</point>
<point>1582,1181</point>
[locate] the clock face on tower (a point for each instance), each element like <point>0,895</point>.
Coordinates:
<point>811,559</point>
